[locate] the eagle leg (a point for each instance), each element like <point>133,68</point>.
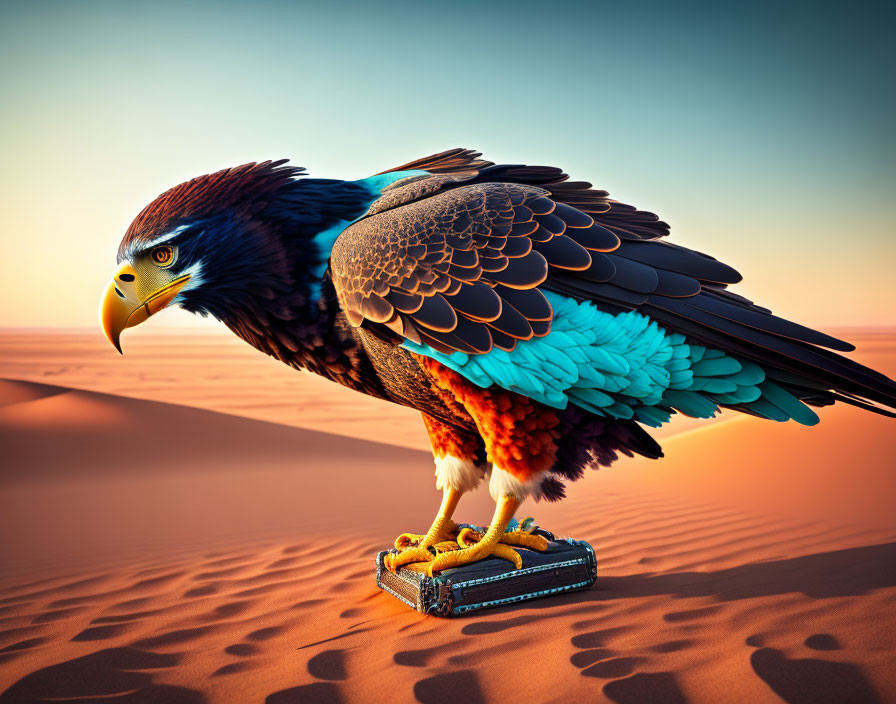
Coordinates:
<point>490,543</point>
<point>458,459</point>
<point>441,536</point>
<point>519,437</point>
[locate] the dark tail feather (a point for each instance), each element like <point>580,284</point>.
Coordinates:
<point>588,441</point>
<point>861,404</point>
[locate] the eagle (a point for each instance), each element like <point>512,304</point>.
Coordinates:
<point>538,325</point>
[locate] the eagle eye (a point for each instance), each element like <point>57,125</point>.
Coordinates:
<point>162,255</point>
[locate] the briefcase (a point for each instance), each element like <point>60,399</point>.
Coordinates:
<point>567,565</point>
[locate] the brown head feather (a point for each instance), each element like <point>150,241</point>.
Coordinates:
<point>238,187</point>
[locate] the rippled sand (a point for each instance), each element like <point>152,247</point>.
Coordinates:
<point>157,553</point>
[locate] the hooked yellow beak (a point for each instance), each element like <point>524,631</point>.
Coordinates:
<point>123,306</point>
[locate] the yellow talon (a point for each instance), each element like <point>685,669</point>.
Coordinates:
<point>446,532</point>
<point>465,556</point>
<point>488,544</point>
<point>525,540</point>
<point>394,561</point>
<point>468,537</point>
<point>422,548</point>
<point>446,546</point>
<point>506,552</point>
<point>408,540</point>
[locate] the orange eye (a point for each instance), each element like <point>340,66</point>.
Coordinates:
<point>162,256</point>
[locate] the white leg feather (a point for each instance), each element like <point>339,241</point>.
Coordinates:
<point>458,474</point>
<point>503,483</point>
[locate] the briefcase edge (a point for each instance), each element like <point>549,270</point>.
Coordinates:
<point>435,595</point>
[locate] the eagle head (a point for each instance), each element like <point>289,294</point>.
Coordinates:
<point>207,245</point>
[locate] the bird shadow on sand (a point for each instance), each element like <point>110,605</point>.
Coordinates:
<point>839,573</point>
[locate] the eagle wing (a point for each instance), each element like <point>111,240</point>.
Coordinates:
<point>459,260</point>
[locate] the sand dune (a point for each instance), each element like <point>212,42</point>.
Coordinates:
<point>123,476</point>
<point>156,553</point>
<point>215,370</point>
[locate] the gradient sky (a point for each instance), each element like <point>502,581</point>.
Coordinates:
<point>763,135</point>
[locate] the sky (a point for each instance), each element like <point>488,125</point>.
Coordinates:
<point>762,134</point>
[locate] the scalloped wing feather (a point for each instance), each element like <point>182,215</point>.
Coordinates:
<point>521,231</point>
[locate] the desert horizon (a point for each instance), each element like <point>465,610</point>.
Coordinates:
<point>185,365</point>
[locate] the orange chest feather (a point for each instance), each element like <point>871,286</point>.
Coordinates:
<point>520,435</point>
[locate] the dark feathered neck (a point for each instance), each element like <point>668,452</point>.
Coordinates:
<point>269,254</point>
<point>309,206</point>
<point>263,274</point>
<point>314,336</point>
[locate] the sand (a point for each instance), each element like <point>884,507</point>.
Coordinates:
<point>157,553</point>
